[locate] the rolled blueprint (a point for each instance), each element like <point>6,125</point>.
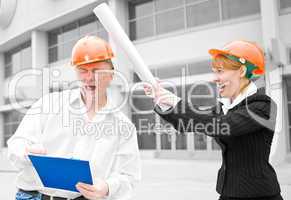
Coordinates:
<point>120,38</point>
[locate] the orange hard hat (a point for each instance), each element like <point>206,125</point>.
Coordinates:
<point>90,49</point>
<point>246,53</point>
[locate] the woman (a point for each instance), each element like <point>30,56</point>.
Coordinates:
<point>247,115</point>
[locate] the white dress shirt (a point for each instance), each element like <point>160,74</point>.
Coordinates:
<point>227,104</point>
<point>59,123</point>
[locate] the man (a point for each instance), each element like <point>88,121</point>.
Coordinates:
<point>84,128</point>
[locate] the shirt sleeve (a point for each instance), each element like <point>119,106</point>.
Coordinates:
<point>26,135</point>
<point>167,100</point>
<point>257,114</point>
<point>126,171</point>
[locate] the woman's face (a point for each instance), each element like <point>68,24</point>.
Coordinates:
<point>228,81</point>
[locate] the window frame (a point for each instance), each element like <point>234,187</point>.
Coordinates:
<point>8,65</point>
<point>6,136</point>
<point>60,30</point>
<point>185,5</point>
<point>283,11</point>
<point>158,133</point>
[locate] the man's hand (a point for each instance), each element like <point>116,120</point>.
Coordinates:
<point>35,149</point>
<point>93,192</point>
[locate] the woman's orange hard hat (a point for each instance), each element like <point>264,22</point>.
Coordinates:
<point>244,51</point>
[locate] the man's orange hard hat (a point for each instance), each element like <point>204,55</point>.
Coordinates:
<point>90,49</point>
<point>245,52</point>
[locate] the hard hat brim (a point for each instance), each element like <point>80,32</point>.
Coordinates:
<point>215,52</point>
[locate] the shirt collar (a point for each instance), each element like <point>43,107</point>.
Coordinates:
<point>227,105</point>
<point>75,98</point>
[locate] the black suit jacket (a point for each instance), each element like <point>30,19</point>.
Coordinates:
<point>245,136</point>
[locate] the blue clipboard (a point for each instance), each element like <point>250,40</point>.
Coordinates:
<point>61,173</point>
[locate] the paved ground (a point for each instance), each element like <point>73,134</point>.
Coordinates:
<point>172,180</point>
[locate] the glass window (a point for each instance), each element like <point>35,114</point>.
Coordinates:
<point>16,62</point>
<point>203,94</point>
<point>103,34</point>
<point>143,103</point>
<point>53,54</point>
<point>8,70</point>
<point>237,8</point>
<point>88,25</point>
<point>200,142</point>
<point>285,4</point>
<point>141,28</point>
<point>67,48</point>
<point>140,8</point>
<point>181,141</point>
<point>202,13</point>
<point>200,67</point>
<point>170,21</point>
<point>172,71</point>
<point>26,58</point>
<point>166,4</point>
<point>164,16</point>
<point>17,59</point>
<point>70,31</point>
<point>8,64</point>
<point>146,140</point>
<point>11,122</point>
<point>166,141</point>
<point>288,86</point>
<point>214,144</point>
<point>144,122</point>
<point>62,39</point>
<point>194,1</point>
<point>55,37</point>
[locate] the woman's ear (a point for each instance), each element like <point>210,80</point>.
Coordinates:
<point>243,71</point>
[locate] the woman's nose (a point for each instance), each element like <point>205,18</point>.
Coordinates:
<point>215,79</point>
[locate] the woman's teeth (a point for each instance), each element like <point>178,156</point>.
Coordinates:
<point>221,86</point>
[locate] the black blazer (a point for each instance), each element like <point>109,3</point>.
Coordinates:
<point>245,142</point>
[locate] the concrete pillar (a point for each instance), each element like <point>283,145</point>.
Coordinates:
<point>39,46</point>
<point>270,30</point>
<point>2,68</point>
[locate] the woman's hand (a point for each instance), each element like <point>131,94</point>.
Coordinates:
<point>93,192</point>
<point>160,95</point>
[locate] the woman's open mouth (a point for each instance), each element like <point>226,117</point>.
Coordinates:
<point>221,87</point>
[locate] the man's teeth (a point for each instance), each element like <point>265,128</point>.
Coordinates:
<point>91,87</point>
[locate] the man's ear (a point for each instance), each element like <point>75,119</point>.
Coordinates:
<point>243,71</point>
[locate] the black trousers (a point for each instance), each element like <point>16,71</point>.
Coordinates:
<point>275,197</point>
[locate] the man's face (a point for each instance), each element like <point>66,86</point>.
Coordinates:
<point>95,77</point>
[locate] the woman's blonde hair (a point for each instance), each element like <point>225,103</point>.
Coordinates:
<point>222,62</point>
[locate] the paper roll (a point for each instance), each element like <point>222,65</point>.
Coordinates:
<point>120,38</point>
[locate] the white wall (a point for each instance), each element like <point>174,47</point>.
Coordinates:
<point>31,14</point>
<point>194,45</point>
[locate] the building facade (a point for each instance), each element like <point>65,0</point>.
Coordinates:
<point>173,37</point>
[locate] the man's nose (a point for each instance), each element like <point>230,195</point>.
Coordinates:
<point>90,74</point>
